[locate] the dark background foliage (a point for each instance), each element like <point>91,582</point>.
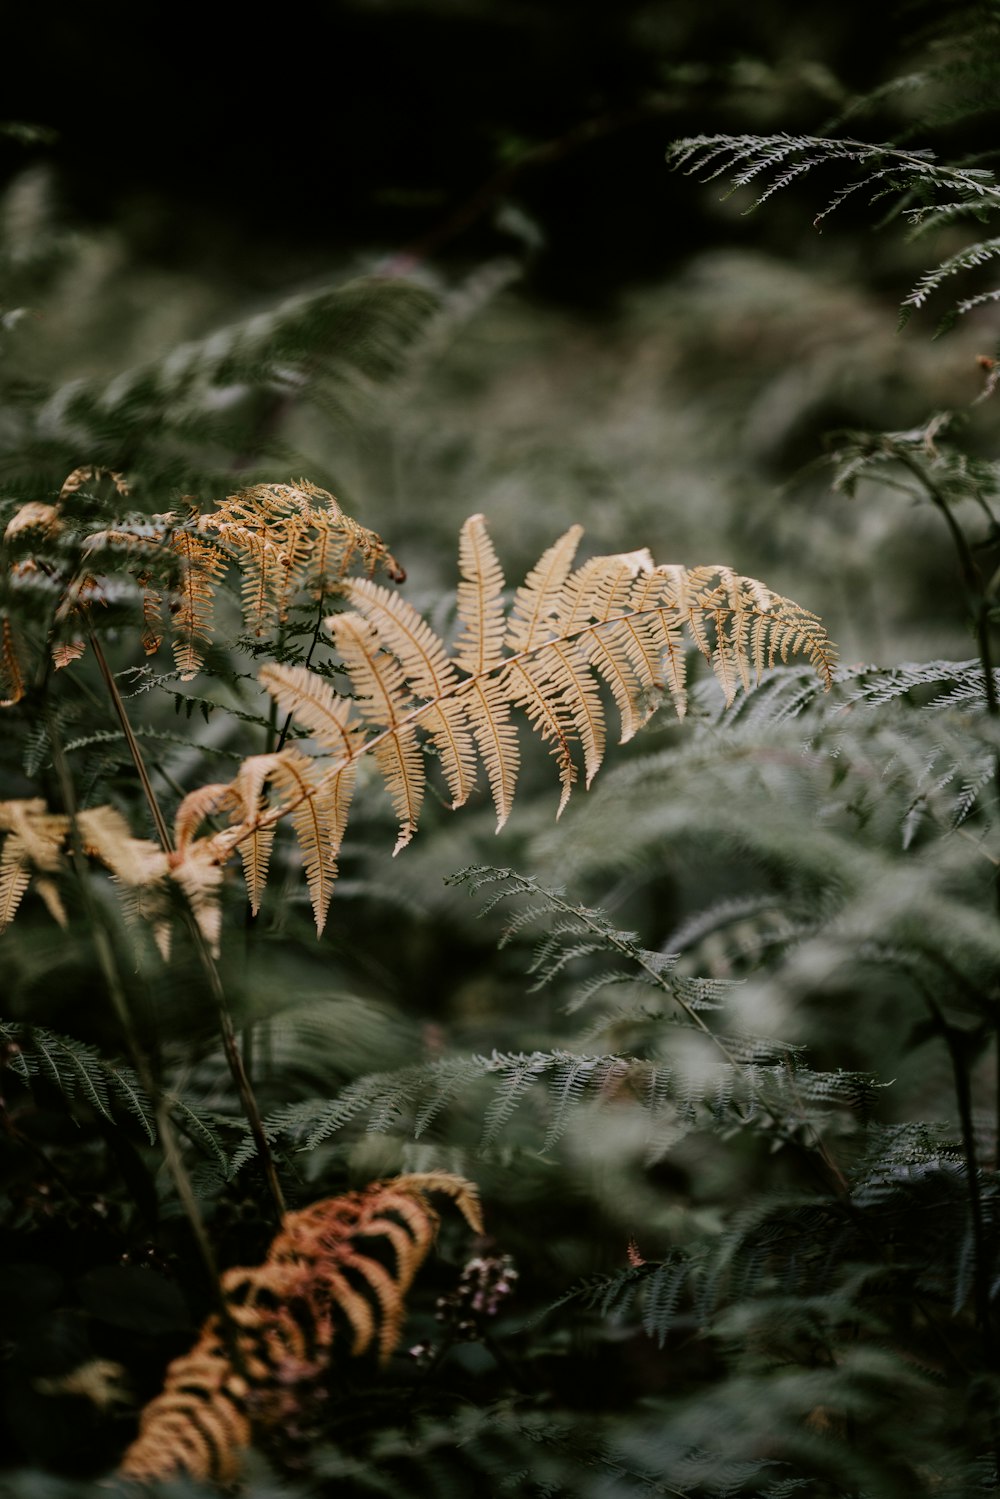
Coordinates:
<point>766,1276</point>
<point>335,127</point>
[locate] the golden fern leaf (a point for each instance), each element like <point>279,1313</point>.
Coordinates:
<point>89,474</point>
<point>479,647</point>
<point>255,853</point>
<point>431,676</point>
<point>318,814</point>
<point>135,862</point>
<point>290,537</point>
<point>595,596</point>
<point>327,716</point>
<point>255,850</point>
<point>200,804</point>
<point>33,847</point>
<point>48,892</point>
<point>196,869</point>
<point>42,833</point>
<point>35,515</point>
<point>539,600</point>
<point>202,566</point>
<point>65,652</point>
<point>384,698</point>
<point>617,620</point>
<point>152,615</point>
<point>327,1274</point>
<point>15,877</point>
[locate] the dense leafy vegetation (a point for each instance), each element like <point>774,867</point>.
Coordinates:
<point>719,1048</point>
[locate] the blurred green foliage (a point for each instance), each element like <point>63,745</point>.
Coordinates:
<point>760,1264</point>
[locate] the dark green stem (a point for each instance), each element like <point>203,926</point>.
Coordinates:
<point>956,1041</point>
<point>972,578</point>
<point>205,958</point>
<point>117,993</point>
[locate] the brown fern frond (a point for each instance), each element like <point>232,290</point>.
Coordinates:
<point>135,862</point>
<point>619,621</point>
<point>287,540</point>
<point>11,669</point>
<point>617,625</point>
<point>197,871</point>
<point>318,817</point>
<point>34,516</point>
<point>327,716</point>
<point>15,877</point>
<point>334,1284</point>
<point>65,652</point>
<point>479,647</point>
<point>384,699</point>
<point>33,846</point>
<point>255,853</point>
<point>152,615</point>
<point>89,474</point>
<point>202,566</point>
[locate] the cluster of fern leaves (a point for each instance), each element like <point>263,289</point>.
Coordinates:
<point>718,1047</point>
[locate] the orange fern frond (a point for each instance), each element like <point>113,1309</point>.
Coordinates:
<point>617,626</point>
<point>618,622</point>
<point>33,846</point>
<point>201,567</point>
<point>334,1283</point>
<point>287,540</point>
<point>11,669</point>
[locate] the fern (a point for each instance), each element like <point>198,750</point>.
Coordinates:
<point>82,1074</point>
<point>930,192</point>
<point>616,620</point>
<point>171,419</point>
<point>283,1322</point>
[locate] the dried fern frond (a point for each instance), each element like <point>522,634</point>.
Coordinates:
<point>324,1291</point>
<point>35,850</point>
<point>617,621</point>
<point>288,541</point>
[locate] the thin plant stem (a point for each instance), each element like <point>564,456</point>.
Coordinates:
<point>202,950</point>
<point>953,1040</point>
<point>286,726</point>
<point>972,578</point>
<point>117,993</point>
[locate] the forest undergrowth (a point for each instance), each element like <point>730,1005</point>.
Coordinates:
<point>639,1139</point>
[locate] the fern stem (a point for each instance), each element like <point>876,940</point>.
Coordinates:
<point>286,726</point>
<point>159,821</point>
<point>954,1040</point>
<point>106,958</point>
<point>209,966</point>
<point>971,575</point>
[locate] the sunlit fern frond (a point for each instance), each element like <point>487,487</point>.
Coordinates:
<point>289,542</point>
<point>618,621</point>
<point>333,1284</point>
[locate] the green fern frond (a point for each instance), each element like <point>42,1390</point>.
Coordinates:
<point>81,1073</point>
<point>926,191</point>
<point>169,414</point>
